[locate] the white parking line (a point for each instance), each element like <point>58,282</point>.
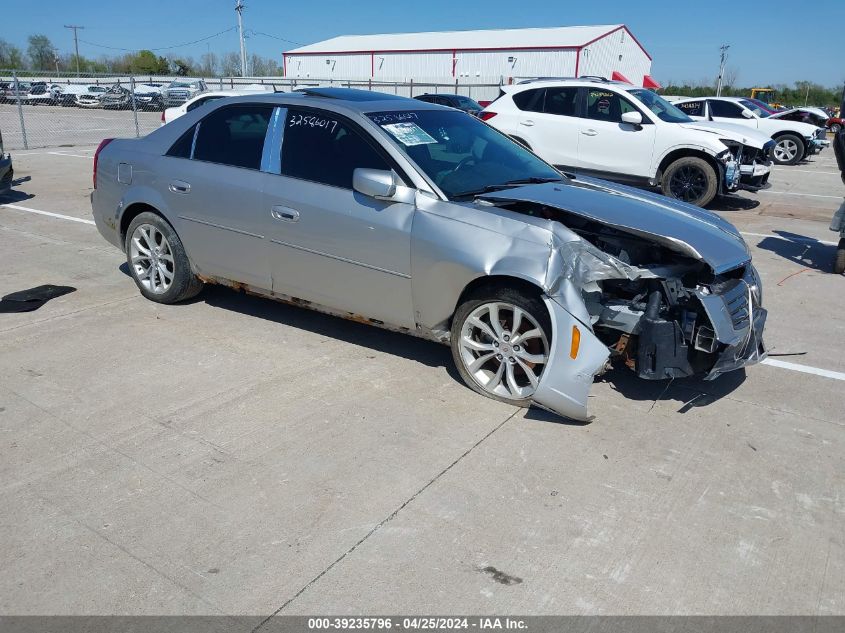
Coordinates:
<point>809,240</point>
<point>808,171</point>
<point>793,193</point>
<point>47,213</point>
<point>72,155</point>
<point>804,369</point>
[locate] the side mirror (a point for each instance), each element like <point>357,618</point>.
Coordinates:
<point>632,118</point>
<point>375,183</point>
<point>747,114</point>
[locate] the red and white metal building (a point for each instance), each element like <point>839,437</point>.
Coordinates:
<point>490,56</point>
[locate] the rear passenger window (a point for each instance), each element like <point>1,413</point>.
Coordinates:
<point>321,148</point>
<point>182,147</point>
<point>692,108</point>
<point>530,100</point>
<point>234,135</point>
<point>562,101</point>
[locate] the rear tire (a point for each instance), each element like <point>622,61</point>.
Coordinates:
<point>835,128</point>
<point>501,339</point>
<point>789,149</point>
<point>158,262</point>
<point>690,179</point>
<point>839,260</point>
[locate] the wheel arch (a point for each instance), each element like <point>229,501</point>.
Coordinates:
<point>687,152</point>
<point>133,211</point>
<point>491,283</point>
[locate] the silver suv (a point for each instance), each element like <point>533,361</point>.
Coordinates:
<point>424,220</point>
<point>181,90</point>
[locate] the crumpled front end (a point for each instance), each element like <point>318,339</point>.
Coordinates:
<point>649,302</point>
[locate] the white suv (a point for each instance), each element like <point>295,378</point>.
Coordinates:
<point>616,131</point>
<point>794,140</point>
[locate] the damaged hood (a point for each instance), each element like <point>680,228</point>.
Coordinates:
<point>681,227</point>
<point>731,131</point>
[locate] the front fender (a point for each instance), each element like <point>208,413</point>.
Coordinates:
<point>565,384</point>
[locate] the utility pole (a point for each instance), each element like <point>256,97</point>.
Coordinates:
<point>75,43</point>
<point>239,9</point>
<point>722,59</point>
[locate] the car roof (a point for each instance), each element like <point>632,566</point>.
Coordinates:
<point>541,82</point>
<point>347,100</point>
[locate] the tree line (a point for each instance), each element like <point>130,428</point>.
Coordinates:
<point>41,55</point>
<point>801,93</point>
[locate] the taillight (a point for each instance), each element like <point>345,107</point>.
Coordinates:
<point>162,117</point>
<point>486,115</point>
<point>100,147</point>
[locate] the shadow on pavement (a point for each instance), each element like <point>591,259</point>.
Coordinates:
<point>13,196</point>
<point>800,249</point>
<point>689,393</point>
<point>426,352</point>
<point>732,203</point>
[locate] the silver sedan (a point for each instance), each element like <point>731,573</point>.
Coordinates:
<point>424,220</point>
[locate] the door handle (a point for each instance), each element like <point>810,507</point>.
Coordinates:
<point>180,186</point>
<point>590,132</point>
<point>285,214</point>
<point>527,123</point>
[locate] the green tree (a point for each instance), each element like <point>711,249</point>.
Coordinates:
<point>10,56</point>
<point>41,52</point>
<point>146,62</point>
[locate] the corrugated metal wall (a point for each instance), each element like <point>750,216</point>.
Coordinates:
<point>616,51</point>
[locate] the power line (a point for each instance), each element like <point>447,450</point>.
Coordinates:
<point>275,37</point>
<point>160,48</point>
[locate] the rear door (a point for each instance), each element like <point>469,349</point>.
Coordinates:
<point>549,121</point>
<point>606,144</point>
<point>211,179</point>
<point>328,243</point>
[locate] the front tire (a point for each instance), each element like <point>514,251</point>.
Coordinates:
<point>500,344</point>
<point>835,128</point>
<point>789,149</point>
<point>839,260</point>
<point>158,262</point>
<point>690,179</point>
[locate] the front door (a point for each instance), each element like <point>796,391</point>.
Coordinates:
<point>328,243</point>
<point>606,144</point>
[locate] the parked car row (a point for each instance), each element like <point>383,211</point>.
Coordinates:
<point>148,96</point>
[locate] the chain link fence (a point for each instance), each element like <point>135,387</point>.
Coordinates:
<point>48,110</point>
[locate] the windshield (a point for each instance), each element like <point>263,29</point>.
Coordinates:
<point>468,103</point>
<point>664,110</point>
<point>462,155</point>
<point>757,107</point>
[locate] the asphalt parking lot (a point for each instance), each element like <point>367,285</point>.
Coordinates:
<point>236,456</point>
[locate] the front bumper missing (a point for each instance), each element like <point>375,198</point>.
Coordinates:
<point>565,384</point>
<point>755,177</point>
<point>566,381</point>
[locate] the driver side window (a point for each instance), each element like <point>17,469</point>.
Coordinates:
<point>320,147</point>
<point>604,105</point>
<point>725,109</point>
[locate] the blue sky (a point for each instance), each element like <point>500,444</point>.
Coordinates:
<point>772,41</point>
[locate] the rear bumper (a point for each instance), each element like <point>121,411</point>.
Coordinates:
<point>7,173</point>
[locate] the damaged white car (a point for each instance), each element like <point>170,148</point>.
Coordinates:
<point>424,220</point>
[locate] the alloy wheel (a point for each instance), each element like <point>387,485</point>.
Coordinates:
<point>786,150</point>
<point>151,259</point>
<point>688,183</point>
<point>504,349</point>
